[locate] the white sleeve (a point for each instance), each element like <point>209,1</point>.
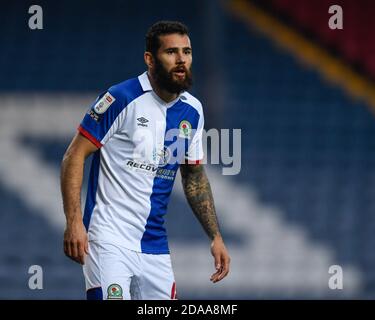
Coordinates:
<point>195,153</point>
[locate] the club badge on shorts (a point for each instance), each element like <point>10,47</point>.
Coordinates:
<point>114,292</point>
<point>185,129</point>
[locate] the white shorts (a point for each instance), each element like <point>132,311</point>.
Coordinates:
<point>116,273</point>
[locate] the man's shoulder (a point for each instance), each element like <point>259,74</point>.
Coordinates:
<point>191,100</point>
<point>127,90</point>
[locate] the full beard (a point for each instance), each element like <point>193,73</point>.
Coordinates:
<point>165,80</point>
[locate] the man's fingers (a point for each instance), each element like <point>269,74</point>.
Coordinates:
<point>81,259</point>
<point>222,274</point>
<point>217,274</point>
<point>218,266</point>
<point>86,247</point>
<point>217,261</point>
<point>81,252</point>
<point>74,249</point>
<point>67,249</point>
<point>223,271</point>
<point>214,277</point>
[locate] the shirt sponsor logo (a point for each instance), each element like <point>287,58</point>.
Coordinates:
<point>151,170</point>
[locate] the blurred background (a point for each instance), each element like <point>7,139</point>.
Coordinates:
<point>302,94</point>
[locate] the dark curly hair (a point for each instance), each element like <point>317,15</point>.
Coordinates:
<point>163,28</point>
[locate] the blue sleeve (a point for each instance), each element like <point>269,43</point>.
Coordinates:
<point>101,121</point>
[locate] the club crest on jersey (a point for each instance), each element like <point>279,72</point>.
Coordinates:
<point>114,292</point>
<point>185,129</point>
<point>104,103</point>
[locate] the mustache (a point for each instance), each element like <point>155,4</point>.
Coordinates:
<point>179,69</point>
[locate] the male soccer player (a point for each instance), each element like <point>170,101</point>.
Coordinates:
<point>121,241</point>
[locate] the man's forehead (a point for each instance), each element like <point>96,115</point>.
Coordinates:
<point>174,40</point>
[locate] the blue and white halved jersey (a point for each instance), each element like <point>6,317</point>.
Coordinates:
<point>142,141</point>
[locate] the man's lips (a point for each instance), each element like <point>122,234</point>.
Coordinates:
<point>179,72</point>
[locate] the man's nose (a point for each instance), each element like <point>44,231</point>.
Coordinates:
<point>180,58</point>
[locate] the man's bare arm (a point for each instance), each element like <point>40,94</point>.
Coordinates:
<point>75,236</point>
<point>198,193</point>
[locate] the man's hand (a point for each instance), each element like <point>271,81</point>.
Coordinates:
<point>76,241</point>
<point>221,258</point>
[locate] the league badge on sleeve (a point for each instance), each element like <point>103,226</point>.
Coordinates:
<point>104,103</point>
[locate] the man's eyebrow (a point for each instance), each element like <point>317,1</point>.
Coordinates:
<point>176,48</point>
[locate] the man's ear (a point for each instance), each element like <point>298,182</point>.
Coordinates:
<point>149,59</point>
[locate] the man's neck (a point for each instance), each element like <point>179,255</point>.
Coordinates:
<point>162,94</point>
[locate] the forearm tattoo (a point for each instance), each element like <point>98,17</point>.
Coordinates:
<point>198,193</point>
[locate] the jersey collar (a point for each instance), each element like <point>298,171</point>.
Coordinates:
<point>145,82</point>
